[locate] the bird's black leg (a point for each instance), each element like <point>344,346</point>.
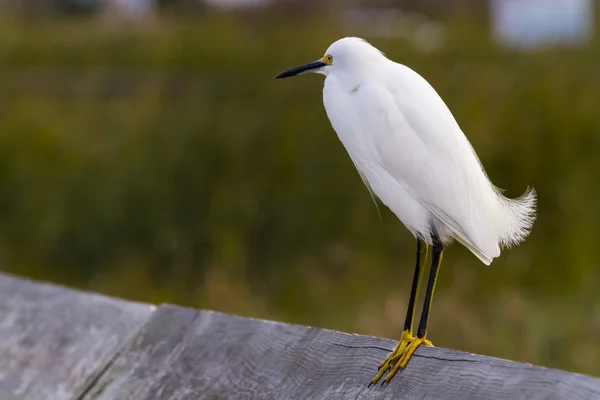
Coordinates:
<point>421,339</point>
<point>414,291</point>
<point>407,334</point>
<point>438,250</point>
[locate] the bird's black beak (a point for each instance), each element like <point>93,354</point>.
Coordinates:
<point>302,69</point>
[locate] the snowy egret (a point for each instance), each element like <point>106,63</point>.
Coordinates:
<point>411,153</point>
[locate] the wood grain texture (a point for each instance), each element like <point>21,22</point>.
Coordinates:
<point>183,354</point>
<point>55,341</point>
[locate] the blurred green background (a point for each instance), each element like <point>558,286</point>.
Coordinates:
<point>158,160</point>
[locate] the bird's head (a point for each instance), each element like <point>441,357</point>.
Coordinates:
<point>345,55</point>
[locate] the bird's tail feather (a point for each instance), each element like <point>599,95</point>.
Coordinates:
<point>513,221</point>
<point>518,217</point>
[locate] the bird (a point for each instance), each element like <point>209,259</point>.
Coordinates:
<point>411,154</point>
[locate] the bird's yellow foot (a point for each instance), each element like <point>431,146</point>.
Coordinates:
<point>400,360</point>
<point>406,356</point>
<point>392,359</point>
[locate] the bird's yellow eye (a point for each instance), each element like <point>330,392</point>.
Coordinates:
<point>327,59</point>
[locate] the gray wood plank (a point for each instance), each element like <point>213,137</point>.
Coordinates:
<point>186,354</point>
<point>55,341</point>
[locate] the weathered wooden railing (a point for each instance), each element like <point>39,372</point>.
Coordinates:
<point>58,343</point>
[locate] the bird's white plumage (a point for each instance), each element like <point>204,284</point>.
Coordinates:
<point>411,153</point>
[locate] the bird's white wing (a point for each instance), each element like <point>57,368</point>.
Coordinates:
<point>422,147</point>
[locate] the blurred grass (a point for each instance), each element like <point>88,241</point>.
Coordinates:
<point>163,163</point>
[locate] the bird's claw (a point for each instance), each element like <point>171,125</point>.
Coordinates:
<point>394,356</point>
<point>407,355</point>
<point>400,357</point>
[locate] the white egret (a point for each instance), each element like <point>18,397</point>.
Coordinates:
<point>411,153</point>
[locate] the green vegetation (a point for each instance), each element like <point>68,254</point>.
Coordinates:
<point>163,163</point>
